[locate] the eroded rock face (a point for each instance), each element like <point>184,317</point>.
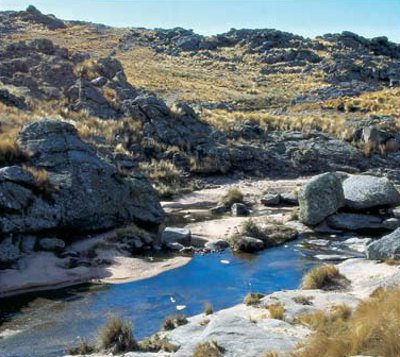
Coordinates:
<point>363,192</point>
<point>85,192</point>
<point>320,197</point>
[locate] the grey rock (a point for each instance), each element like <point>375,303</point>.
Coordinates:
<point>271,199</point>
<point>386,247</point>
<point>391,223</point>
<point>28,244</point>
<point>354,222</point>
<point>216,246</point>
<point>176,235</point>
<point>175,246</point>
<point>395,212</point>
<point>319,198</point>
<point>247,244</point>
<point>52,244</point>
<point>9,252</point>
<point>239,209</point>
<point>289,199</point>
<point>363,192</point>
<point>221,209</point>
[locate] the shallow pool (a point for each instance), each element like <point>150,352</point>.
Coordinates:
<point>50,322</point>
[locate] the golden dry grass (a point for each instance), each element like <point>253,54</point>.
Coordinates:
<point>373,329</point>
<point>325,277</point>
<point>116,336</point>
<point>252,298</point>
<point>276,311</point>
<point>208,349</point>
<point>233,195</point>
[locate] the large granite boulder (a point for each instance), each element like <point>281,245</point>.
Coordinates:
<point>388,247</point>
<point>320,197</point>
<point>362,192</point>
<point>82,191</point>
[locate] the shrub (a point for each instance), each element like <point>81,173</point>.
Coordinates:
<point>83,348</point>
<point>208,349</point>
<point>174,321</point>
<point>232,196</point>
<point>325,277</point>
<point>116,336</point>
<point>372,329</point>
<point>252,298</point>
<point>208,308</point>
<point>276,311</point>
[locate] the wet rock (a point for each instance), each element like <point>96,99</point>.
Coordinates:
<point>176,235</point>
<point>395,212</point>
<point>246,244</point>
<point>52,244</point>
<point>388,247</point>
<point>175,246</point>
<point>239,209</point>
<point>271,199</point>
<point>216,246</point>
<point>363,192</point>
<point>320,197</point>
<point>354,222</point>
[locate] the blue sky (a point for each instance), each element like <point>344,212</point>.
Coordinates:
<point>305,17</point>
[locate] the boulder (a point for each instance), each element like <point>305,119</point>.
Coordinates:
<point>354,222</point>
<point>364,192</point>
<point>239,209</point>
<point>52,244</point>
<point>220,209</point>
<point>176,235</point>
<point>247,244</point>
<point>81,192</point>
<point>385,248</point>
<point>319,198</point>
<point>216,246</point>
<point>271,199</point>
<point>289,199</point>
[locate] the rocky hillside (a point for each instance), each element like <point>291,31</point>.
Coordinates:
<point>181,106</point>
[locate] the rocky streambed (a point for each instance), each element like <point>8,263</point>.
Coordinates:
<point>221,278</point>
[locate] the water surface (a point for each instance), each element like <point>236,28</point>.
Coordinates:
<point>51,321</point>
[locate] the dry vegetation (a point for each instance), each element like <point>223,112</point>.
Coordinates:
<point>373,329</point>
<point>208,349</point>
<point>276,311</point>
<point>252,299</point>
<point>325,277</point>
<point>234,195</point>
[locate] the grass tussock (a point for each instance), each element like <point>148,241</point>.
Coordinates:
<point>10,153</point>
<point>234,195</point>
<point>271,234</point>
<point>82,348</point>
<point>173,321</point>
<point>156,343</point>
<point>41,178</point>
<point>208,308</point>
<point>252,299</point>
<point>276,311</point>
<point>208,349</point>
<point>372,329</point>
<point>325,277</point>
<point>116,336</point>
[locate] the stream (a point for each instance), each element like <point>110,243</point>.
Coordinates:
<point>47,323</point>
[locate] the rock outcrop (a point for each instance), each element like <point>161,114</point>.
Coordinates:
<point>66,186</point>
